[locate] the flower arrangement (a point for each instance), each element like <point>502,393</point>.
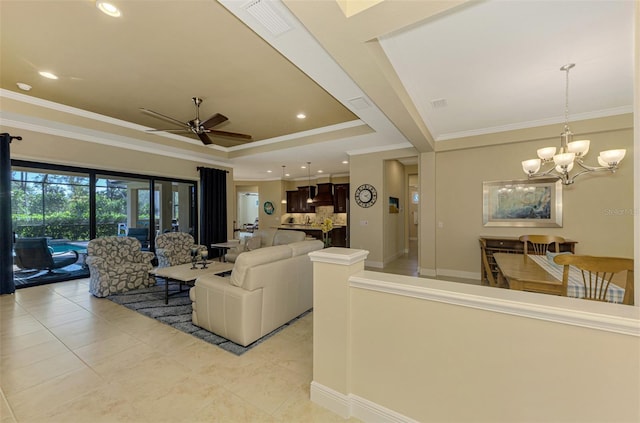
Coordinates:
<point>326,226</point>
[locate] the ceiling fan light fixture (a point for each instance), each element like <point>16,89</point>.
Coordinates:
<point>108,9</point>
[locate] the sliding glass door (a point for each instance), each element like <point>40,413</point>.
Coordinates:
<point>68,206</point>
<point>50,204</point>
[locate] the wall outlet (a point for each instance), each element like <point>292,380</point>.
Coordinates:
<point>364,223</point>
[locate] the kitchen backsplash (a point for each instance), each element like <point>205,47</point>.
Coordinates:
<point>322,212</point>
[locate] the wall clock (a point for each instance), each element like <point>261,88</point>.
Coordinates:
<point>268,207</point>
<point>366,195</point>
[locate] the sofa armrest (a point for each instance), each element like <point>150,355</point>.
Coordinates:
<point>227,310</point>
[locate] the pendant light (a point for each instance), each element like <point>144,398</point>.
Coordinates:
<point>309,200</point>
<point>284,197</point>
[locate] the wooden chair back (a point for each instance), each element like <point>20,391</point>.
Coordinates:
<point>597,273</point>
<point>485,264</point>
<point>539,244</point>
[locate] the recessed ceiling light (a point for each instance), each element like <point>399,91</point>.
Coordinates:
<point>301,116</point>
<point>320,171</point>
<point>303,167</point>
<point>23,86</point>
<point>345,162</point>
<point>48,75</point>
<point>287,174</point>
<point>269,171</point>
<point>108,9</point>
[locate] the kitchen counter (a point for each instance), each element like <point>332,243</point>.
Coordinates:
<point>304,227</point>
<point>338,233</point>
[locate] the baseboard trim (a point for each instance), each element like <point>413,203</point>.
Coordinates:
<point>424,271</point>
<point>330,399</point>
<point>354,406</point>
<point>374,264</point>
<point>459,274</point>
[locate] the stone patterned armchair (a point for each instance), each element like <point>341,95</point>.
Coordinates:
<point>174,248</point>
<point>116,264</point>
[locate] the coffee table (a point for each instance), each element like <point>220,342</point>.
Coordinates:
<point>185,274</point>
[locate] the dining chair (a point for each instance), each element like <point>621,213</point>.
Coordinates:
<point>485,264</point>
<point>597,273</point>
<point>539,244</point>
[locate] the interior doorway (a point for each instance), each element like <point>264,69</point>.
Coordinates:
<point>248,203</point>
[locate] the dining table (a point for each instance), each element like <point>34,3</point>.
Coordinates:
<point>537,273</point>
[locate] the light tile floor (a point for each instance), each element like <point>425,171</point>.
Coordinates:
<point>407,264</point>
<point>66,356</point>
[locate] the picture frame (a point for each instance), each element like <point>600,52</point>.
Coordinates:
<point>533,203</point>
<point>394,205</point>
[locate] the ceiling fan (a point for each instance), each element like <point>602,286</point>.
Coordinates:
<point>201,128</point>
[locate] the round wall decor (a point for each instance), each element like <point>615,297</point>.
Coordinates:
<point>268,207</point>
<point>366,195</point>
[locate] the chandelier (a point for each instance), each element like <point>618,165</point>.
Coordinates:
<point>571,152</point>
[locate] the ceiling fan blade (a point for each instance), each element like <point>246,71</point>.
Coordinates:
<point>205,138</point>
<point>163,117</point>
<point>214,120</point>
<point>229,134</point>
<point>177,131</point>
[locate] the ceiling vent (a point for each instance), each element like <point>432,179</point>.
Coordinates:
<point>268,17</point>
<point>439,103</point>
<point>359,103</point>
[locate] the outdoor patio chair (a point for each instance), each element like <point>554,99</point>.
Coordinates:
<point>141,234</point>
<point>35,254</point>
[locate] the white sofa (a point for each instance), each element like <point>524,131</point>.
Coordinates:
<point>267,288</point>
<point>268,238</point>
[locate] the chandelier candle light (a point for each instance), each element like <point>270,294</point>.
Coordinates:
<point>570,152</point>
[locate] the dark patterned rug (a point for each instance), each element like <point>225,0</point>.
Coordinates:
<point>150,302</point>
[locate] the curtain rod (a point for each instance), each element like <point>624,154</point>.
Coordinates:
<point>202,167</point>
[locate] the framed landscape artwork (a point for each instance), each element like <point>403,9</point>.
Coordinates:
<point>522,203</point>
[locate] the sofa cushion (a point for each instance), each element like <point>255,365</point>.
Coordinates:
<point>284,236</point>
<point>250,259</point>
<point>253,243</point>
<point>305,247</point>
<point>266,235</point>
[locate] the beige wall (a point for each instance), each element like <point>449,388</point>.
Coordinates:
<point>466,353</point>
<point>53,149</point>
<point>394,223</point>
<point>366,227</point>
<point>596,209</point>
<point>483,366</point>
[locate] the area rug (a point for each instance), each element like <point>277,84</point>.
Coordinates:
<point>177,314</point>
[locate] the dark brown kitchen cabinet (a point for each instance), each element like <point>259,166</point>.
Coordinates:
<point>340,198</point>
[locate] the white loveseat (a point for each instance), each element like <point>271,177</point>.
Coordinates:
<point>265,238</point>
<point>267,288</point>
